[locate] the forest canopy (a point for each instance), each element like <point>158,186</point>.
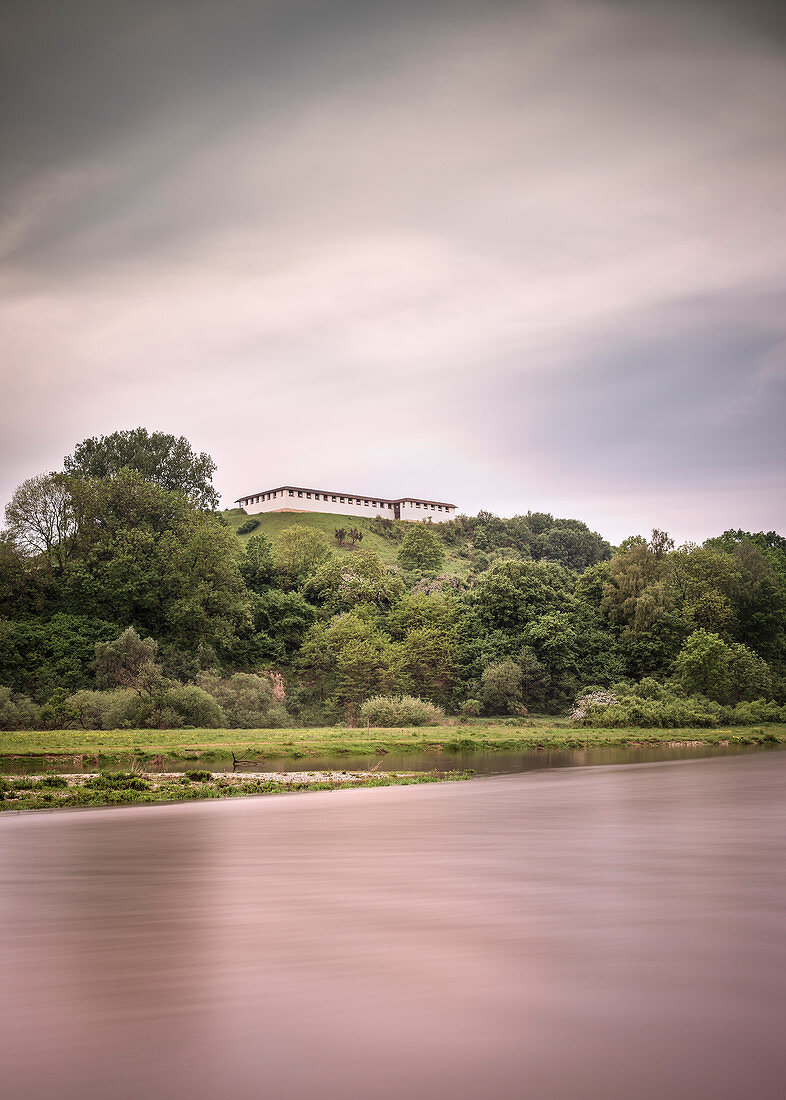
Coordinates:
<point>127,600</point>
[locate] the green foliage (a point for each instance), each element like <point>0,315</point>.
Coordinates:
<point>247,700</point>
<point>122,553</point>
<point>256,563</point>
<point>40,655</point>
<point>194,707</point>
<point>145,557</point>
<point>501,688</point>
<point>41,519</point>
<point>340,584</point>
<point>401,711</point>
<point>127,661</point>
<point>86,710</point>
<point>114,781</point>
<point>470,708</point>
<point>727,673</point>
<point>421,550</point>
<point>650,705</point>
<point>346,660</point>
<point>17,712</point>
<point>165,459</point>
<point>299,551</point>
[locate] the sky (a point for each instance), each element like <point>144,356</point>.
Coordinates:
<point>510,255</point>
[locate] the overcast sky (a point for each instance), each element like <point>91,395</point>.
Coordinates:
<point>512,255</point>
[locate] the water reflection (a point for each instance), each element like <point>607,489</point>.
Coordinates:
<point>603,932</point>
<point>484,763</point>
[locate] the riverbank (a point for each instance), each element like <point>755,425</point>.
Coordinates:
<point>112,747</point>
<point>25,792</point>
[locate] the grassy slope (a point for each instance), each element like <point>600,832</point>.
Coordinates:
<point>191,744</point>
<point>272,524</point>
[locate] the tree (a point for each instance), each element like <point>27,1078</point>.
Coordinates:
<point>127,661</point>
<point>427,661</point>
<point>421,549</point>
<point>632,594</point>
<point>501,688</point>
<point>706,665</point>
<point>165,459</point>
<point>514,593</point>
<point>571,543</point>
<point>41,518</point>
<point>256,565</point>
<point>341,583</point>
<point>346,661</point>
<point>40,654</point>
<point>298,552</point>
<point>535,679</point>
<point>146,557</point>
<point>707,582</point>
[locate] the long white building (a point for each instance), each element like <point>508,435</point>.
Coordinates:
<point>294,498</point>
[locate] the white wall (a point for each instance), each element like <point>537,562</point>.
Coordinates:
<point>411,509</point>
<point>294,500</point>
<point>309,503</point>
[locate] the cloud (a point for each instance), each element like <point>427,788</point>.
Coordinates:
<point>510,255</point>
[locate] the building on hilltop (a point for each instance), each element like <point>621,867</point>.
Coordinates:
<point>294,498</point>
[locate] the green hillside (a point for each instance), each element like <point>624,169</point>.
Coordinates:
<point>272,524</point>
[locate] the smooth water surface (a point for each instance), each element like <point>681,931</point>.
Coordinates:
<point>494,762</point>
<point>609,932</point>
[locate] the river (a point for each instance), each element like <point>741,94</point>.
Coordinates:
<point>610,932</point>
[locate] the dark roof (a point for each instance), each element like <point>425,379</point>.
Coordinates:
<point>336,493</point>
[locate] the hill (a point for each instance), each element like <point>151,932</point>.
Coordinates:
<point>271,524</point>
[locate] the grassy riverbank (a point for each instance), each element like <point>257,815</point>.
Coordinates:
<point>71,791</point>
<point>105,746</point>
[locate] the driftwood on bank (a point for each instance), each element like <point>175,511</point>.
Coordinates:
<point>242,762</point>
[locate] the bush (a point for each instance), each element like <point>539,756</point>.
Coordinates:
<point>87,709</point>
<point>246,699</point>
<point>400,710</point>
<point>751,713</point>
<point>117,781</point>
<point>500,687</point>
<point>194,707</point>
<point>126,710</point>
<point>248,526</point>
<point>470,708</point>
<point>17,712</point>
<point>647,705</point>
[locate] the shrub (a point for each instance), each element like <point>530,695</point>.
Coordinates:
<point>87,709</point>
<point>17,712</point>
<point>421,550</point>
<point>246,699</point>
<point>647,705</point>
<point>125,710</point>
<point>118,781</point>
<point>247,526</point>
<point>753,712</point>
<point>400,710</point>
<point>470,708</point>
<point>501,688</point>
<point>195,707</point>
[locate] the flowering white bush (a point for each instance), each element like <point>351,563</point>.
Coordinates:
<point>585,703</point>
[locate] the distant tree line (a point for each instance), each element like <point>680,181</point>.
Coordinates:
<point>126,600</point>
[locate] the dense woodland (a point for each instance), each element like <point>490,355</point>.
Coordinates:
<point>126,600</point>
